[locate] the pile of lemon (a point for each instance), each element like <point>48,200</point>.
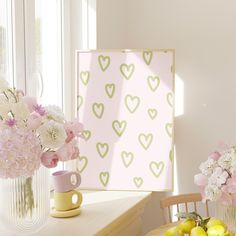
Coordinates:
<point>214,227</point>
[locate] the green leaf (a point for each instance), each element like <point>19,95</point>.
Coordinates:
<point>186,215</point>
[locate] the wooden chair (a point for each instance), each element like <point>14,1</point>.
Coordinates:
<point>184,199</point>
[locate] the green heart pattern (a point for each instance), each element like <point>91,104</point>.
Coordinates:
<point>153,82</point>
<point>86,134</point>
<point>104,62</point>
<point>119,127</point>
<point>102,149</point>
<point>83,162</point>
<point>127,70</point>
<point>127,158</point>
<point>134,104</point>
<point>152,112</point>
<point>145,140</point>
<point>147,57</point>
<point>80,101</point>
<point>98,109</point>
<point>169,129</point>
<point>84,76</point>
<point>156,168</point>
<point>170,99</point>
<point>110,90</point>
<point>104,178</point>
<point>138,181</point>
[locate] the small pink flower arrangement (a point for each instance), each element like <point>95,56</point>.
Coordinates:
<point>217,180</point>
<point>31,135</point>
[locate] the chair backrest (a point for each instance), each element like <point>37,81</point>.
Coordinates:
<point>179,200</point>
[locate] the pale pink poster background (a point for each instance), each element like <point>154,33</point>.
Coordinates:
<point>110,172</point>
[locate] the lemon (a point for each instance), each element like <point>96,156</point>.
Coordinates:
<point>198,231</point>
<point>187,225</point>
<point>174,231</point>
<point>216,230</point>
<point>214,221</point>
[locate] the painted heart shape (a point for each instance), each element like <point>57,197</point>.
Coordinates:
<point>102,149</point>
<point>86,134</point>
<point>152,112</point>
<point>84,77</point>
<point>138,181</point>
<point>153,82</point>
<point>170,99</point>
<point>127,70</point>
<point>127,158</point>
<point>80,101</point>
<point>145,140</point>
<point>147,57</point>
<point>110,90</point>
<point>156,168</point>
<point>104,62</point>
<point>83,162</point>
<point>104,178</point>
<point>132,103</point>
<point>119,126</point>
<point>98,109</point>
<point>169,129</point>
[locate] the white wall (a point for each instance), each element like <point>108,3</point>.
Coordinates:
<point>203,33</point>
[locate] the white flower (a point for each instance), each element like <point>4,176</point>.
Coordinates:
<point>54,113</point>
<point>3,85</point>
<point>52,134</point>
<point>212,192</point>
<point>20,111</point>
<point>208,166</point>
<point>4,110</point>
<point>218,177</point>
<point>228,161</point>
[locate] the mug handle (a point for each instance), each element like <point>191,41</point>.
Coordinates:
<point>79,199</point>
<point>78,179</point>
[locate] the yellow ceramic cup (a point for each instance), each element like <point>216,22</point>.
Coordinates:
<point>68,200</point>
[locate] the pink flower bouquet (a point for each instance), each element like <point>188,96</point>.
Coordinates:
<point>217,179</point>
<point>31,135</point>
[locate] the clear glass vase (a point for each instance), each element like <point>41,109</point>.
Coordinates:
<point>24,204</point>
<point>227,214</point>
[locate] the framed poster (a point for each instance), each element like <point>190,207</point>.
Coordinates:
<point>125,101</point>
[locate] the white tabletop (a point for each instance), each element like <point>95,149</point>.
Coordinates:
<point>100,212</point>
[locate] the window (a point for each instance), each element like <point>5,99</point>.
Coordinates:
<point>38,39</point>
<point>5,41</point>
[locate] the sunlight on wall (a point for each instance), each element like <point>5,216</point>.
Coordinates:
<point>179,110</point>
<point>179,96</point>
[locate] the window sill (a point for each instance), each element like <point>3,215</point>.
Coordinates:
<point>102,213</point>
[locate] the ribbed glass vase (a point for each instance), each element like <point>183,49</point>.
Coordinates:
<point>227,214</point>
<point>24,203</point>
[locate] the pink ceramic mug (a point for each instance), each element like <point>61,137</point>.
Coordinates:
<point>65,181</point>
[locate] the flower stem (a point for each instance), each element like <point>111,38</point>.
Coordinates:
<point>25,203</point>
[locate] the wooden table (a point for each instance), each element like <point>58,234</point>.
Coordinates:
<point>103,213</point>
<point>161,231</point>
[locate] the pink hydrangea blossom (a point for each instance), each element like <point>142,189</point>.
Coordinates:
<point>20,153</point>
<point>31,134</point>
